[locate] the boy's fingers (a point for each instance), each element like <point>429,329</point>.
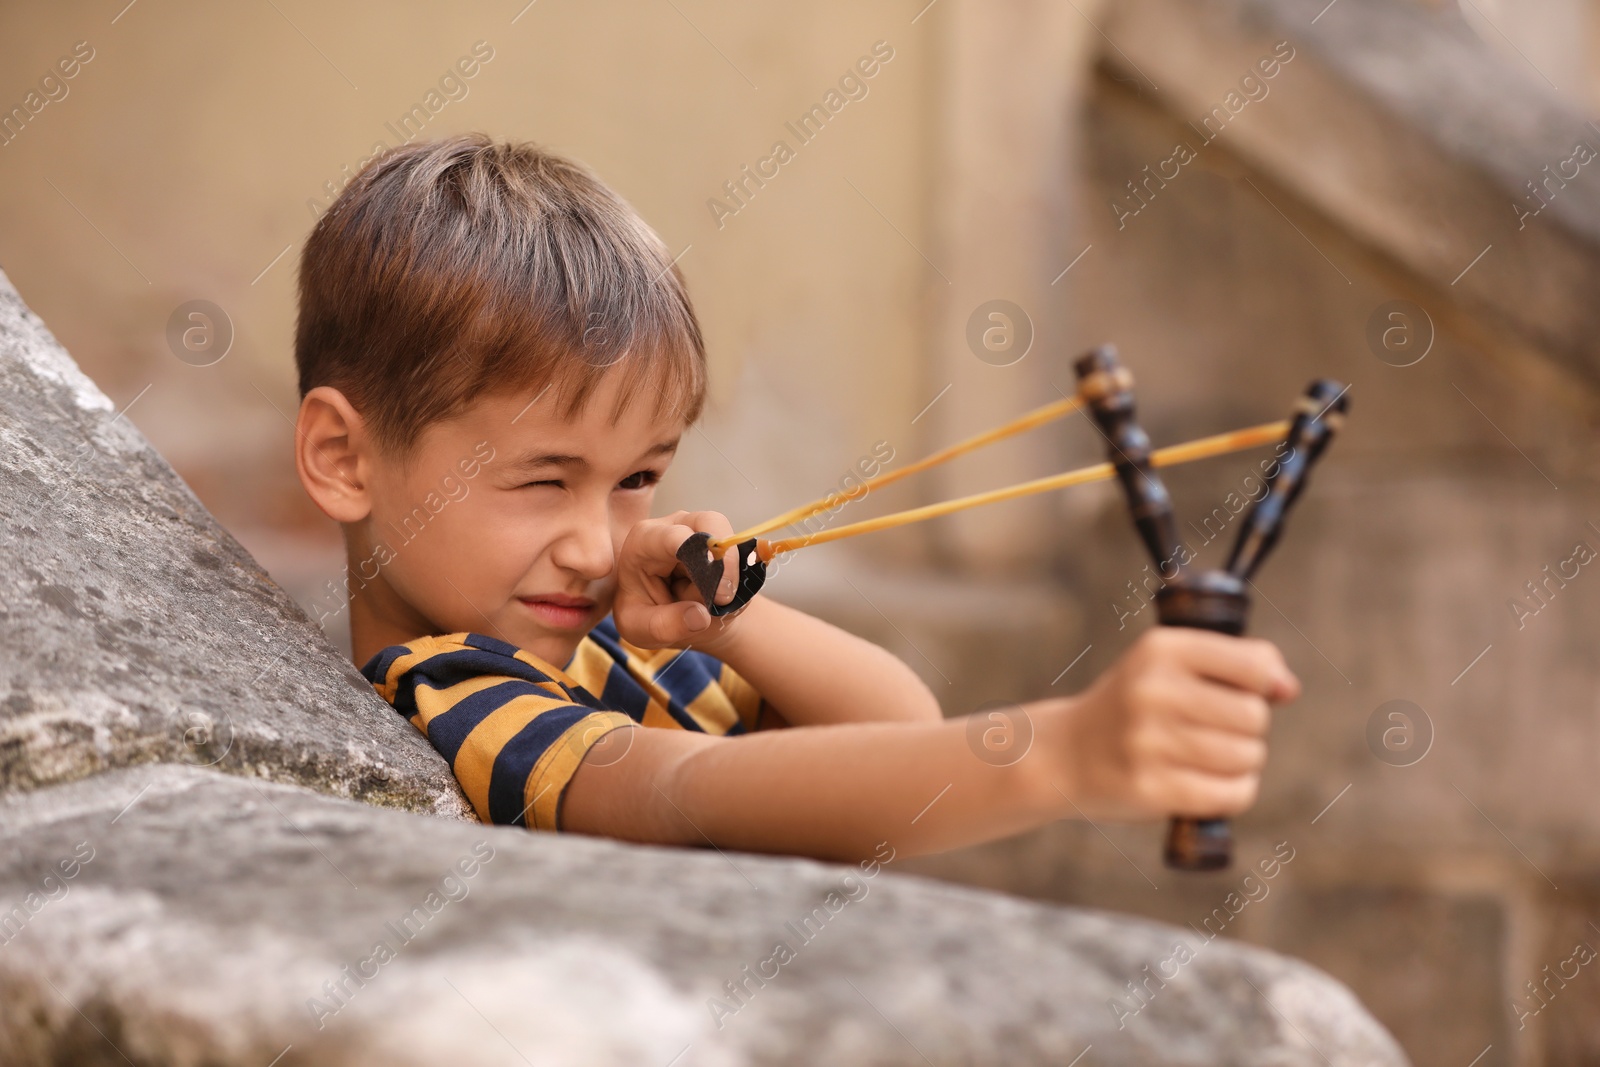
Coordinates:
<point>692,619</point>
<point>659,543</point>
<point>1249,663</point>
<point>1231,710</point>
<point>1202,796</point>
<point>1216,752</point>
<point>671,624</point>
<point>712,522</point>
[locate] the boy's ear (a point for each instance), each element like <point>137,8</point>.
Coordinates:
<point>333,455</point>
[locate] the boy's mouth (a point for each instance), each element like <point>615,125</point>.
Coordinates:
<point>559,611</point>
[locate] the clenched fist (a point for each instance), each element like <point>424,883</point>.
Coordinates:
<point>1176,727</point>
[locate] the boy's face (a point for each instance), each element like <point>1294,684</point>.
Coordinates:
<point>507,519</point>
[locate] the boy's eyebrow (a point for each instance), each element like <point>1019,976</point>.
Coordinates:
<point>665,448</point>
<point>562,459</point>
<point>548,459</point>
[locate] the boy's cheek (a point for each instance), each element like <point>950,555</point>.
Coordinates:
<point>624,519</point>
<point>458,540</point>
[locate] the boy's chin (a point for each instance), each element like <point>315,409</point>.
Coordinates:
<point>556,648</point>
<point>551,635</point>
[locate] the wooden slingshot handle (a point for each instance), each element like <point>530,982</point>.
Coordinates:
<point>1216,601</point>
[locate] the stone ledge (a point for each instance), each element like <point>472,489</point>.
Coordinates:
<point>211,910</point>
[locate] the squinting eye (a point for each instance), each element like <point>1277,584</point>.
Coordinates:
<point>639,480</point>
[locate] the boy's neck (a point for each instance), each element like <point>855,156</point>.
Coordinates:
<point>379,617</point>
<point>375,619</point>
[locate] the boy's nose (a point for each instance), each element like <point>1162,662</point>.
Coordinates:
<point>587,550</point>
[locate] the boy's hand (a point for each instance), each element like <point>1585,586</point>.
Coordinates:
<point>1176,727</point>
<point>657,606</point>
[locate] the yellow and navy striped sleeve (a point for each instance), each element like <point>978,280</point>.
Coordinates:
<point>512,728</point>
<point>670,687</point>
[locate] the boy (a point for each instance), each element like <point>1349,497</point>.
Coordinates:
<point>497,359</point>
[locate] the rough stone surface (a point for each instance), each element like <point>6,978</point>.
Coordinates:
<point>137,630</point>
<point>214,909</point>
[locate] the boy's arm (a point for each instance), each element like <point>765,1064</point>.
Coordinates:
<point>814,673</point>
<point>810,672</point>
<point>1175,727</point>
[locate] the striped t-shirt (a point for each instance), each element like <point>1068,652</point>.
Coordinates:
<point>514,728</point>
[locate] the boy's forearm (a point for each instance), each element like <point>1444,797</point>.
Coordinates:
<point>816,673</point>
<point>835,792</point>
<point>832,792</point>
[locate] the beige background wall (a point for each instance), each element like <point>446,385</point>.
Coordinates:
<point>182,161</point>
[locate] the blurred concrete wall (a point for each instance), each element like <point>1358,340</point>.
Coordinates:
<point>1436,782</point>
<point>187,158</point>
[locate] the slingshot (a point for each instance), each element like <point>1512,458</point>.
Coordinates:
<point>1209,599</point>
